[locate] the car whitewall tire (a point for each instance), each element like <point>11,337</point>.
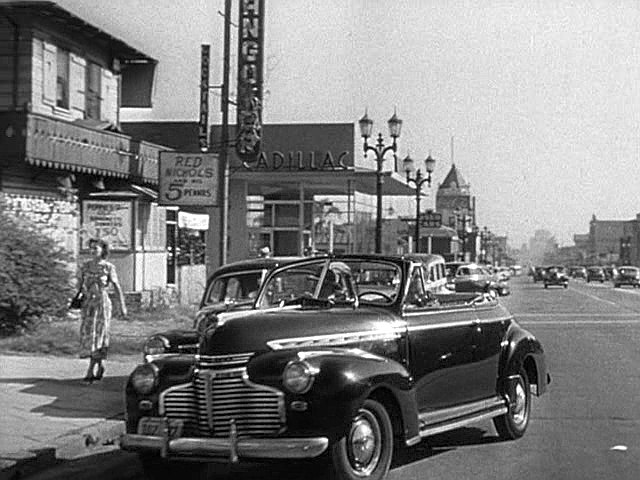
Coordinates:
<point>514,423</point>
<point>365,452</point>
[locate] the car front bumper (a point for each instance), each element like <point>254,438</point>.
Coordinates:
<point>225,449</point>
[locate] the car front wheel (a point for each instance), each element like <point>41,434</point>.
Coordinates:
<point>514,423</point>
<point>365,451</point>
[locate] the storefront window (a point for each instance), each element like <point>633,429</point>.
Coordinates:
<point>286,215</point>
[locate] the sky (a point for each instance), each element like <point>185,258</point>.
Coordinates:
<point>541,97</point>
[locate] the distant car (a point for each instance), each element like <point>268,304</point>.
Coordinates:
<point>537,273</point>
<point>578,272</point>
<point>555,275</point>
<point>595,274</point>
<point>627,275</point>
<point>609,272</point>
<point>471,277</point>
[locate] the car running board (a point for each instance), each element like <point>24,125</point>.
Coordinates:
<point>451,418</point>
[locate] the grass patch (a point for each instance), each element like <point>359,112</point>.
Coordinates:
<point>62,337</point>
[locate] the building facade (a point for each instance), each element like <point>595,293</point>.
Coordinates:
<point>64,162</point>
<point>614,242</point>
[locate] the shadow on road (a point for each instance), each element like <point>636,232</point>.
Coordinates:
<point>75,398</point>
<point>442,443</point>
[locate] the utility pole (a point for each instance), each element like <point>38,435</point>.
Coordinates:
<point>224,138</point>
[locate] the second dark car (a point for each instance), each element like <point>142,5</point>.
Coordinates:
<point>231,287</point>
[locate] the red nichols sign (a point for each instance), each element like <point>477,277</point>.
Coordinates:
<point>295,161</point>
<point>250,64</point>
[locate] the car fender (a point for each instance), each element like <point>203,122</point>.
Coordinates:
<point>522,349</point>
<point>345,379</point>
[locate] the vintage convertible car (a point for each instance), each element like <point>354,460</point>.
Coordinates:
<point>231,287</point>
<point>342,357</point>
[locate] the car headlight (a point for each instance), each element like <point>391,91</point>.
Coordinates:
<point>298,376</point>
<point>144,378</point>
<point>156,345</point>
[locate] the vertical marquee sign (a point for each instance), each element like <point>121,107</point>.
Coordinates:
<point>203,123</point>
<point>250,65</point>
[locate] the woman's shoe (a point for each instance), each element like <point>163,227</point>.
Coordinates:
<point>99,373</point>
<point>89,378</point>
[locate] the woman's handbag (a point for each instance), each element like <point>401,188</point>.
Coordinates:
<point>78,300</point>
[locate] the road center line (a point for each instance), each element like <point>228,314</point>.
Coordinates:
<point>592,296</point>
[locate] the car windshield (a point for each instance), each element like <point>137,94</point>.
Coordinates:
<point>377,281</point>
<point>234,288</point>
<point>628,271</point>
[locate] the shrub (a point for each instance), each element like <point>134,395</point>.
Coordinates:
<point>35,275</point>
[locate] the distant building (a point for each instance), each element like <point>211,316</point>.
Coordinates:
<point>458,209</point>
<point>614,241</point>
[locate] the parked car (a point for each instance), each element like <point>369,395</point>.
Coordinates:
<point>343,356</point>
<point>627,275</point>
<point>471,277</point>
<point>595,274</point>
<point>503,273</point>
<point>555,275</point>
<point>231,287</point>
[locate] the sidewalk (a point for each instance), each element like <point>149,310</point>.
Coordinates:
<point>48,412</point>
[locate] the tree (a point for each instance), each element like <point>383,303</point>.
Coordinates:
<point>35,275</point>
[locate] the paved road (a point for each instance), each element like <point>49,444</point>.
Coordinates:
<point>587,427</point>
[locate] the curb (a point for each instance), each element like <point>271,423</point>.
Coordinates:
<point>100,437</point>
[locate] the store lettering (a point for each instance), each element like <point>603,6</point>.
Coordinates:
<point>301,161</point>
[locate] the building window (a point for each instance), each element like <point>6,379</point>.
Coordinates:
<point>92,98</point>
<point>62,79</point>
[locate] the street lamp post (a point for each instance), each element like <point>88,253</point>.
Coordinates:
<point>418,180</point>
<point>380,150</point>
<point>461,226</point>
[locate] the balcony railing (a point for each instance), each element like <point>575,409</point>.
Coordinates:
<point>61,144</point>
<point>144,165</point>
<point>53,143</point>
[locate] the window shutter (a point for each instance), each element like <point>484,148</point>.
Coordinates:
<point>77,82</point>
<point>109,96</point>
<point>49,73</point>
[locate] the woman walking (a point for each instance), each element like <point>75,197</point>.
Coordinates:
<point>96,275</point>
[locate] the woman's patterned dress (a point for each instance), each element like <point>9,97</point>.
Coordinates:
<point>96,310</point>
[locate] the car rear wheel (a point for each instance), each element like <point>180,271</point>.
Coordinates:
<point>365,451</point>
<point>514,423</point>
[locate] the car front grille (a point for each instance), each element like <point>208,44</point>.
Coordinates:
<point>221,392</point>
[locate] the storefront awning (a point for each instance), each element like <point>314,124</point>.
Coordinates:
<point>329,182</point>
<point>130,192</point>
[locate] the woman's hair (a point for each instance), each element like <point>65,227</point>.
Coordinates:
<point>103,245</point>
